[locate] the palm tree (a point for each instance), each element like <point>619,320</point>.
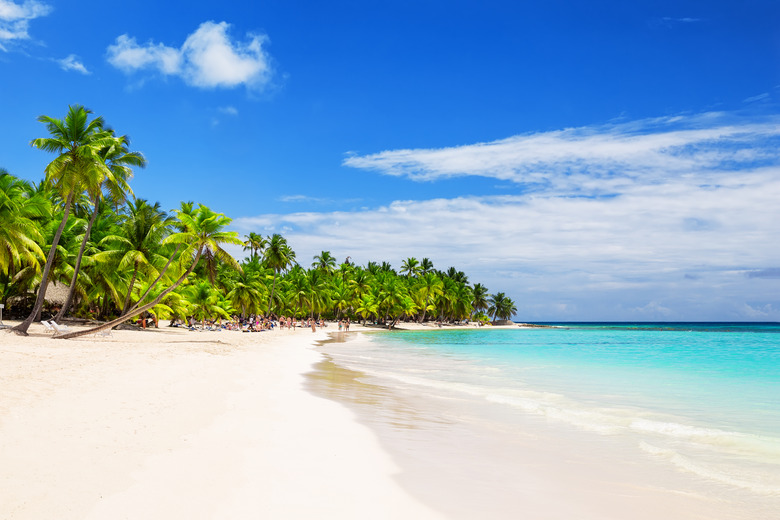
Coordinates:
<point>324,262</point>
<point>118,160</point>
<point>278,257</point>
<point>254,243</point>
<point>247,292</point>
<point>410,267</point>
<point>429,286</point>
<point>480,294</point>
<point>79,164</point>
<point>202,230</point>
<point>18,234</point>
<point>501,306</point>
<point>426,265</point>
<point>204,301</point>
<point>138,244</point>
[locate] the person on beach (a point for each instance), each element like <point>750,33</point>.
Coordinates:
<point>313,326</point>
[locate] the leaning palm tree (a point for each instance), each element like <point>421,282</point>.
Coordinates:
<point>278,257</point>
<point>118,160</point>
<point>202,230</point>
<point>79,164</point>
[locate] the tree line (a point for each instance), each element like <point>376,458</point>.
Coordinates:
<point>122,256</point>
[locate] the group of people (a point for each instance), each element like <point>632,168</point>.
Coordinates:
<point>257,323</point>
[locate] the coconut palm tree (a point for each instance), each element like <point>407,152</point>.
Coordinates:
<point>19,209</point>
<point>429,287</point>
<point>501,306</point>
<point>480,294</point>
<point>138,245</point>
<point>78,141</point>
<point>324,262</point>
<point>203,301</point>
<point>410,267</point>
<point>254,243</point>
<point>247,292</point>
<point>118,159</point>
<point>202,230</point>
<point>426,265</point>
<point>278,257</point>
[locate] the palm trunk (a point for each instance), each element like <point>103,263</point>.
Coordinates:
<point>135,312</point>
<point>162,273</point>
<point>69,299</point>
<point>126,306</point>
<point>45,288</point>
<point>271,299</point>
<point>425,308</point>
<point>21,329</point>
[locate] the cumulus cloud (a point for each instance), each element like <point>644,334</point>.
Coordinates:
<point>15,19</point>
<point>688,210</point>
<point>208,58</point>
<point>72,62</point>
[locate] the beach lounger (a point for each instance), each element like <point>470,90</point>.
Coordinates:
<point>48,326</point>
<point>61,329</point>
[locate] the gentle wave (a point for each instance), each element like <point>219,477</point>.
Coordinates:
<point>605,421</point>
<point>755,481</point>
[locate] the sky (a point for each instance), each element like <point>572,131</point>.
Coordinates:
<point>594,160</point>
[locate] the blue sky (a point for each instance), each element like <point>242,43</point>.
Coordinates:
<point>596,160</point>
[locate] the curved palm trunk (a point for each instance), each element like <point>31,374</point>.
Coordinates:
<point>72,290</point>
<point>126,306</point>
<point>21,329</point>
<point>135,312</point>
<point>162,273</point>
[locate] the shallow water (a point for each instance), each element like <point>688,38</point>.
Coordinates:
<point>700,402</point>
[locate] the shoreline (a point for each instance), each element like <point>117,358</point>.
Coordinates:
<point>466,460</point>
<point>168,423</point>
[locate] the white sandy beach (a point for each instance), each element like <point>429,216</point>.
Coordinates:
<point>169,423</point>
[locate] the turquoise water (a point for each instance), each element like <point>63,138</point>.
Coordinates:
<point>704,398</point>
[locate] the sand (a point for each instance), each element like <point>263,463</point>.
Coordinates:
<point>170,423</point>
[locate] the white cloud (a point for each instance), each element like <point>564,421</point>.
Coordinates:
<point>15,18</point>
<point>207,59</point>
<point>72,62</point>
<point>687,213</point>
<point>594,160</point>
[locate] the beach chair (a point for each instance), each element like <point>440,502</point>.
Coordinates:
<point>48,326</point>
<point>104,333</point>
<point>61,329</point>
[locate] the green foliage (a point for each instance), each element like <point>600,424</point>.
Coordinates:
<point>123,256</point>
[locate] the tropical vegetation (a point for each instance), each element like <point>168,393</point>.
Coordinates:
<point>121,257</point>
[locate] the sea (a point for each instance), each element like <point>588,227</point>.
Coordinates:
<point>700,399</point>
